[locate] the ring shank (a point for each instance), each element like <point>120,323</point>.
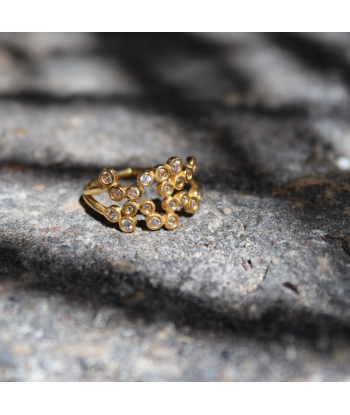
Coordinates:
<point>94,204</point>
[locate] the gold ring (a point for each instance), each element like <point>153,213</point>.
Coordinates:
<point>171,176</point>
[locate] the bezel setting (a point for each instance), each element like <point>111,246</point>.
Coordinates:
<point>149,174</point>
<point>108,177</point>
<point>188,174</point>
<point>145,202</point>
<point>175,179</point>
<point>157,172</point>
<point>130,208</point>
<point>130,189</point>
<point>171,221</point>
<point>175,164</point>
<point>192,206</point>
<point>154,217</point>
<point>109,211</point>
<point>183,198</point>
<point>118,188</point>
<point>127,223</point>
<point>170,204</point>
<point>162,189</point>
<point>192,163</point>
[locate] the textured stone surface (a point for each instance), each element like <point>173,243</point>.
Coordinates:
<point>255,286</point>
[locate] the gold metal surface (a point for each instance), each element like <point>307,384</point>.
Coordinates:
<point>167,175</point>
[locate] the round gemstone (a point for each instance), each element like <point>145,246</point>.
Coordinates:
<point>116,194</point>
<point>134,192</point>
<point>107,177</point>
<point>145,179</point>
<point>172,221</point>
<point>172,204</point>
<point>189,174</point>
<point>127,224</point>
<point>154,222</point>
<point>162,173</point>
<point>194,204</point>
<point>167,189</point>
<point>179,182</point>
<point>129,209</point>
<point>176,167</point>
<point>111,214</point>
<point>147,207</point>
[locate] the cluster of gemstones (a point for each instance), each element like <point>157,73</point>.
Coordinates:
<point>171,176</point>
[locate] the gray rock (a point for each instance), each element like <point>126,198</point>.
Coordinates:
<point>254,286</point>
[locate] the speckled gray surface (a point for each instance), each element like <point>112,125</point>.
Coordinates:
<point>255,286</point>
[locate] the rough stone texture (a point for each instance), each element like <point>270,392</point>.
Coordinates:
<point>255,286</point>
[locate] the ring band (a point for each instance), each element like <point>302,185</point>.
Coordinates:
<point>171,176</point>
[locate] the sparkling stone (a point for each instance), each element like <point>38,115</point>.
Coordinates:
<point>176,167</point>
<point>167,189</point>
<point>147,207</point>
<point>194,204</point>
<point>134,192</point>
<point>172,204</point>
<point>129,209</point>
<point>116,194</point>
<point>127,224</point>
<point>180,182</point>
<point>162,173</point>
<point>107,177</point>
<point>145,179</point>
<point>111,214</point>
<point>189,174</point>
<point>172,221</point>
<point>154,222</point>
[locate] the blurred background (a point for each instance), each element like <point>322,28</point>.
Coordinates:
<point>254,286</point>
<point>203,84</point>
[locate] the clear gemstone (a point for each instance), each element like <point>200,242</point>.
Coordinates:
<point>172,205</point>
<point>167,189</point>
<point>162,173</point>
<point>194,204</point>
<point>154,222</point>
<point>127,224</point>
<point>176,167</point>
<point>172,221</point>
<point>111,214</point>
<point>147,207</point>
<point>107,177</point>
<point>116,194</point>
<point>189,174</point>
<point>134,192</point>
<point>145,179</point>
<point>129,209</point>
